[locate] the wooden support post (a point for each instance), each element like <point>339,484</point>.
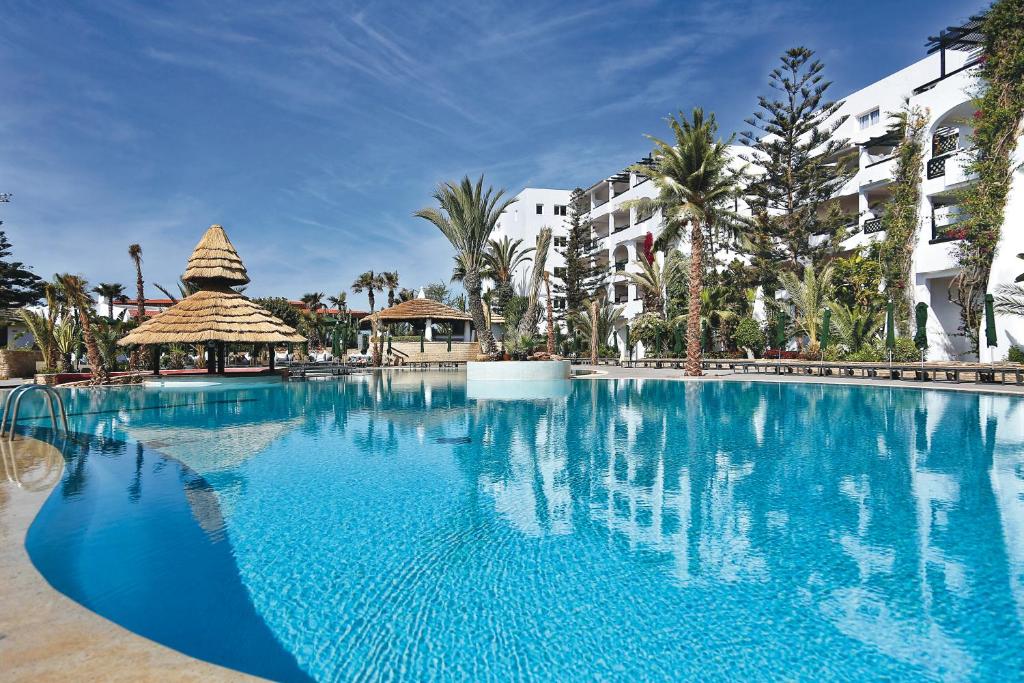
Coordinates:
<point>222,352</point>
<point>211,358</point>
<point>272,354</point>
<point>155,359</point>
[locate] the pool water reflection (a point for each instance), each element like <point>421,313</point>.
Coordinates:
<point>396,527</point>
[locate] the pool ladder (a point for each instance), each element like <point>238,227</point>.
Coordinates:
<point>18,394</point>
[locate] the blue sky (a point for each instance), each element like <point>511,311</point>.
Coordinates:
<point>312,131</point>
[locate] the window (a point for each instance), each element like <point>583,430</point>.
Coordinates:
<point>540,209</point>
<point>560,273</point>
<point>558,303</point>
<point>560,210</point>
<point>869,119</point>
<point>561,241</point>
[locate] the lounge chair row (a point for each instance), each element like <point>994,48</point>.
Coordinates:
<point>994,373</point>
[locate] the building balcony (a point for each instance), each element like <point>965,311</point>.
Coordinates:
<point>620,266</point>
<point>952,169</point>
<point>947,223</point>
<point>871,226</point>
<point>878,172</point>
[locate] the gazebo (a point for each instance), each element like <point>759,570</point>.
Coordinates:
<point>423,312</point>
<point>216,314</point>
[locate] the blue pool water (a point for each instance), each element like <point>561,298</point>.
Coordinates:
<point>401,528</point>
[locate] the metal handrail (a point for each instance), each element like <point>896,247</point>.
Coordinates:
<point>16,396</point>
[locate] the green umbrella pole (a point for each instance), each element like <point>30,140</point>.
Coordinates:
<point>826,325</point>
<point>921,335</point>
<point>421,341</point>
<point>890,328</point>
<point>990,322</point>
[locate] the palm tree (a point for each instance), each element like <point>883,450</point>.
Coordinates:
<point>185,290</point>
<point>608,315</point>
<point>856,326</point>
<point>135,253</point>
<point>550,312</point>
<point>74,289</point>
<point>314,301</point>
<point>528,323</point>
<point>692,180</point>
<point>390,281</point>
<point>809,296</point>
<point>655,279</point>
<point>717,311</point>
<point>369,282</point>
<point>502,259</point>
<point>466,216</point>
<point>110,291</point>
<point>1010,298</point>
<point>339,302</point>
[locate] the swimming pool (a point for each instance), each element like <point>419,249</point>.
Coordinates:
<point>395,527</point>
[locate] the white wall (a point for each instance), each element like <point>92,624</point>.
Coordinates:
<point>521,221</point>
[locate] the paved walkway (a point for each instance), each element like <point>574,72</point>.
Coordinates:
<point>615,372</point>
<point>46,636</point>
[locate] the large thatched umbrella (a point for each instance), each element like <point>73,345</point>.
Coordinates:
<point>216,313</point>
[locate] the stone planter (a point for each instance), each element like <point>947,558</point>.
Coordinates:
<point>18,363</point>
<point>518,370</point>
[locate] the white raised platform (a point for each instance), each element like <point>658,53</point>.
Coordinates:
<point>518,380</point>
<point>204,381</point>
<point>518,371</point>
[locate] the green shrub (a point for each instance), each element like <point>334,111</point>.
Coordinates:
<point>1016,355</point>
<point>749,334</point>
<point>905,352</point>
<point>866,354</point>
<point>646,328</point>
<point>836,352</point>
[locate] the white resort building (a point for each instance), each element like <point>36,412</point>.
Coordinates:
<point>536,208</point>
<point>942,85</point>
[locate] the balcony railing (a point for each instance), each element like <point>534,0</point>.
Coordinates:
<point>872,225</point>
<point>955,168</point>
<point>622,299</point>
<point>945,143</point>
<point>620,266</point>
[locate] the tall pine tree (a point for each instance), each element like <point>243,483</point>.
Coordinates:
<point>583,276</point>
<point>19,286</point>
<point>800,169</point>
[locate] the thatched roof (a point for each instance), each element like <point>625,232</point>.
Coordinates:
<point>418,309</point>
<point>215,258</point>
<point>216,312</point>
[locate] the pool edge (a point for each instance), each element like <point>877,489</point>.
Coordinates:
<point>46,634</point>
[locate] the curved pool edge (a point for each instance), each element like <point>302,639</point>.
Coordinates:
<point>46,634</point>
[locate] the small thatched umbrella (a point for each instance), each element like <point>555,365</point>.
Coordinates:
<point>216,313</point>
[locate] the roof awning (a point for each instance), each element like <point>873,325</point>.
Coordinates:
<point>966,37</point>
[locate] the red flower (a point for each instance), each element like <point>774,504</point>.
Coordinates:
<point>978,114</point>
<point>649,247</point>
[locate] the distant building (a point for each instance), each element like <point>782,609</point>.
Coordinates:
<point>941,84</point>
